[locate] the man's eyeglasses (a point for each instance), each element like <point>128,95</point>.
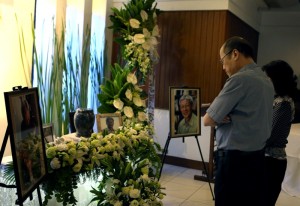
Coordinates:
<point>222,59</point>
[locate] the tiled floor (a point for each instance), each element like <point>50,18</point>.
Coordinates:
<point>183,190</point>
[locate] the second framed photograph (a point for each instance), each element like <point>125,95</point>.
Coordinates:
<point>108,122</point>
<point>185,117</point>
<point>48,132</point>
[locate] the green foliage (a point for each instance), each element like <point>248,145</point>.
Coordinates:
<point>63,77</point>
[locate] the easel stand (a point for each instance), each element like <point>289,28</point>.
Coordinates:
<point>204,166</point>
<point>18,202</point>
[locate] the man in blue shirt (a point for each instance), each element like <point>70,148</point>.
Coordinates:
<point>242,116</point>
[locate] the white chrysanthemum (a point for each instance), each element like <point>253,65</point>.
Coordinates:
<point>128,94</point>
<point>134,23</point>
<point>145,177</point>
<point>118,104</point>
<point>128,112</point>
<point>134,193</point>
<point>134,203</point>
<point>55,163</point>
<point>139,38</point>
<point>131,78</point>
<point>118,203</point>
<point>125,190</point>
<point>62,147</point>
<point>144,15</point>
<point>142,116</point>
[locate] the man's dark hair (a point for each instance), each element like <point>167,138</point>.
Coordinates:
<point>109,118</point>
<point>240,44</point>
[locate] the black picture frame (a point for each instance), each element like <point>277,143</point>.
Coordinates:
<point>26,137</point>
<point>178,128</point>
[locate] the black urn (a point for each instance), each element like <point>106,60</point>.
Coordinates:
<point>84,120</point>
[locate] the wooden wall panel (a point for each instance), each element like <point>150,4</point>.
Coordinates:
<point>189,51</point>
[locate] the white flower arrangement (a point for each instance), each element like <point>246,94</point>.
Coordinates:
<point>123,95</point>
<point>137,26</point>
<point>126,161</point>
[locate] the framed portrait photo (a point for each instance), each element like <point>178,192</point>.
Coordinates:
<point>26,138</point>
<point>185,116</point>
<point>48,132</point>
<point>109,122</point>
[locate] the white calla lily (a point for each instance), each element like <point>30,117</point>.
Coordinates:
<point>139,38</point>
<point>134,23</point>
<point>128,112</point>
<point>131,78</point>
<point>144,15</point>
<point>118,104</point>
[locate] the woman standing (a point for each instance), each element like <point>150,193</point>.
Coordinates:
<point>285,83</point>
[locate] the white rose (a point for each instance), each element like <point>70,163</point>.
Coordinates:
<point>55,163</point>
<point>128,94</point>
<point>134,193</point>
<point>139,38</point>
<point>128,111</point>
<point>131,78</point>
<point>118,104</point>
<point>134,23</point>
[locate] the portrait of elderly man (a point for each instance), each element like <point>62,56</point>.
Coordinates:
<point>189,123</point>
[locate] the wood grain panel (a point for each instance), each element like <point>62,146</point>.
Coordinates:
<point>189,53</point>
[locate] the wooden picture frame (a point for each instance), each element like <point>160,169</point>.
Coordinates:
<point>48,132</point>
<point>185,102</point>
<point>102,125</point>
<point>26,137</point>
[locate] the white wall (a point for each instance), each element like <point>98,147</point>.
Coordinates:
<point>12,73</point>
<point>280,39</point>
<point>177,148</point>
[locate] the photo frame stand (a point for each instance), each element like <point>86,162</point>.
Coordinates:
<point>165,150</point>
<point>3,146</point>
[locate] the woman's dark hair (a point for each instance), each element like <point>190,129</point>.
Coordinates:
<point>282,76</point>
